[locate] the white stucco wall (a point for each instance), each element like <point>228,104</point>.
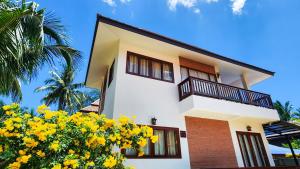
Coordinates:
<point>146,98</point>
<point>205,107</point>
<point>111,90</point>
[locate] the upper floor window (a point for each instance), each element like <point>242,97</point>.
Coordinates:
<point>186,72</point>
<point>111,73</point>
<point>149,67</point>
<point>167,145</point>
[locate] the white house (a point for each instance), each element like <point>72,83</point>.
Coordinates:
<point>207,116</point>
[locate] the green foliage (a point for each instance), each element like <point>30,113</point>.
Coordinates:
<point>285,111</point>
<point>62,90</point>
<point>29,39</point>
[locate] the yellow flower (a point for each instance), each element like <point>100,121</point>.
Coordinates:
<point>56,166</point>
<point>42,108</point>
<point>6,107</point>
<point>112,138</point>
<point>123,120</point>
<point>72,162</point>
<point>87,155</point>
<point>109,123</point>
<point>90,164</point>
<point>110,162</point>
<point>14,165</point>
<point>26,115</point>
<point>23,159</point>
<point>54,146</point>
<point>142,142</point>
<point>149,131</point>
<point>83,130</point>
<point>9,113</point>
<point>141,153</point>
<point>154,139</point>
<point>1,148</point>
<point>22,152</point>
<point>49,114</point>
<point>136,131</point>
<point>17,119</point>
<point>71,151</point>
<point>29,142</point>
<point>40,153</point>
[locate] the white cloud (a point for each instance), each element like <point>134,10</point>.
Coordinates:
<point>186,3</point>
<point>197,10</point>
<point>110,2</point>
<point>113,2</point>
<point>172,4</point>
<point>210,1</point>
<point>125,1</point>
<point>237,6</point>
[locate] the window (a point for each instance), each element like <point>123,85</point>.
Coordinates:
<point>103,92</point>
<point>252,149</point>
<point>186,72</point>
<point>167,145</point>
<point>149,67</point>
<point>111,73</point>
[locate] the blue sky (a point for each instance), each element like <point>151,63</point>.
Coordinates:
<point>264,33</point>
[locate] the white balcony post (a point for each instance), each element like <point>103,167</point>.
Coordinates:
<point>244,81</point>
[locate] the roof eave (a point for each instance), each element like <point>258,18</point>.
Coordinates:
<point>171,41</point>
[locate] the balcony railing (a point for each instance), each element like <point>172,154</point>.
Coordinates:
<point>196,86</point>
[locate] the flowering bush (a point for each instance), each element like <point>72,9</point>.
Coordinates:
<point>53,139</point>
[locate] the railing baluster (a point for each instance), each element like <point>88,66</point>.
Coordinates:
<point>203,87</point>
<point>240,96</point>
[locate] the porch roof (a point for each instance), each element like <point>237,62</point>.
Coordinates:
<point>282,132</point>
<point>279,130</point>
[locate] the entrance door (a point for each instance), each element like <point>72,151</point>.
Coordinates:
<point>253,150</point>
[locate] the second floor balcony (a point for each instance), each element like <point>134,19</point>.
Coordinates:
<point>201,87</point>
<point>207,99</point>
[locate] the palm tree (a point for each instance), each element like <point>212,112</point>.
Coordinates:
<point>285,111</point>
<point>29,39</point>
<point>296,114</point>
<point>62,91</point>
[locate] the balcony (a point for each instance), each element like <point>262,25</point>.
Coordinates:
<point>206,99</point>
<point>200,87</point>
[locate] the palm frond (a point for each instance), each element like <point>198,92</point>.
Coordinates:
<point>29,39</point>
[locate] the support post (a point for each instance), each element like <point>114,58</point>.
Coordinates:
<point>244,81</point>
<point>292,150</point>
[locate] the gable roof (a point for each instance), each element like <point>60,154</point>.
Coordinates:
<point>168,40</point>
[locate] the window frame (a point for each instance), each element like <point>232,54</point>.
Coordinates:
<point>208,74</point>
<point>263,153</point>
<point>166,156</point>
<point>111,73</point>
<point>150,60</point>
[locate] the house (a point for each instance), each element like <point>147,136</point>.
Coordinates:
<point>199,103</point>
<point>94,107</point>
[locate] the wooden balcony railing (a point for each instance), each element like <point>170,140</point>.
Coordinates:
<point>201,87</point>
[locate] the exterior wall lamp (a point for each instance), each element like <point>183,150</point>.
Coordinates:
<point>153,121</point>
<point>249,128</point>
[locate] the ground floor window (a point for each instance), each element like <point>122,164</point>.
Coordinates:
<point>167,146</point>
<point>252,149</point>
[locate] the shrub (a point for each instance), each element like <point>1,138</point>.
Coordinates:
<point>53,139</point>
